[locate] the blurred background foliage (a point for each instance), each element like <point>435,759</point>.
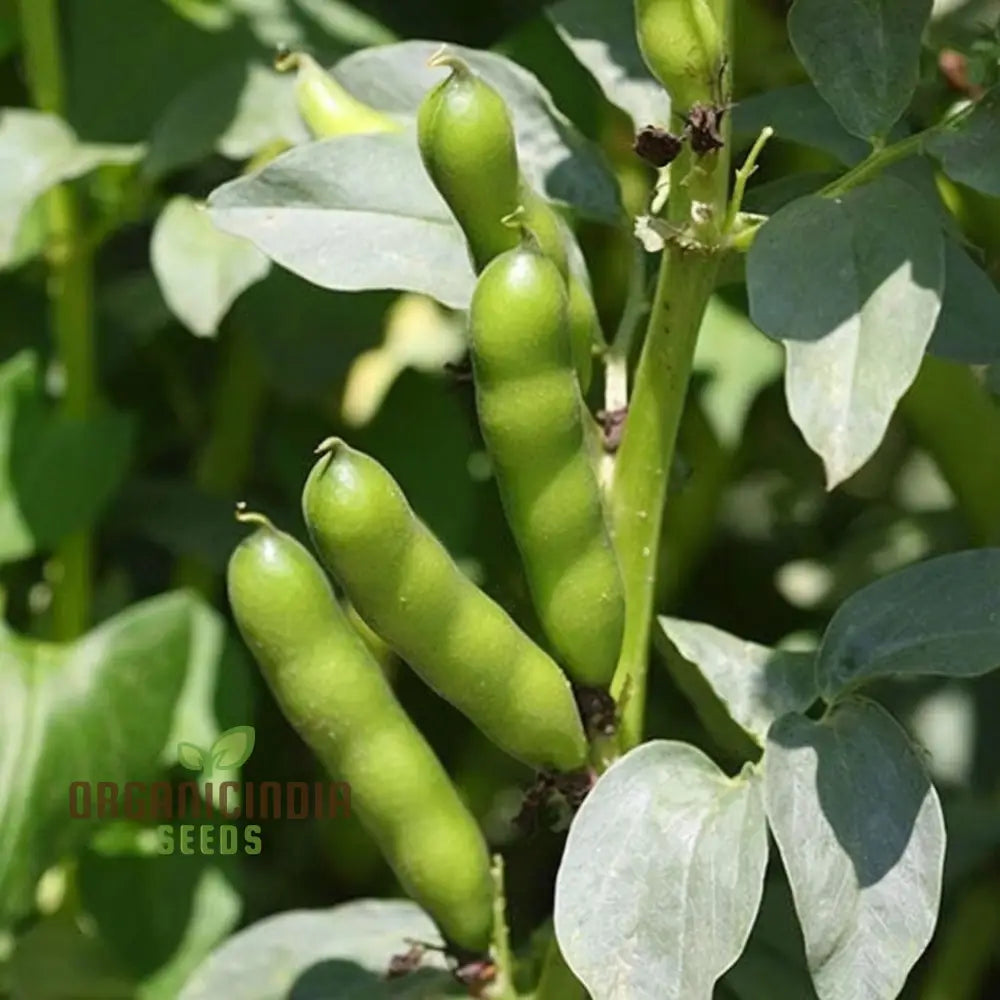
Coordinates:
<point>213,384</point>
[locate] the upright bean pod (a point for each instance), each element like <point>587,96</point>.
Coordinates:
<point>468,147</point>
<point>530,414</point>
<point>326,107</point>
<point>404,583</point>
<point>335,696</point>
<point>683,47</point>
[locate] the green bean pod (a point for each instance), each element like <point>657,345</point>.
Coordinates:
<point>531,417</point>
<point>681,43</point>
<point>336,697</point>
<point>326,107</point>
<point>404,583</point>
<point>469,150</point>
<point>467,144</point>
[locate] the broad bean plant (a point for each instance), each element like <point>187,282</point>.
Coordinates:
<point>609,302</point>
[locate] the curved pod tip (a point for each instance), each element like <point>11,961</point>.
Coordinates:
<point>286,59</point>
<point>517,220</point>
<point>245,516</point>
<point>328,445</point>
<point>445,58</point>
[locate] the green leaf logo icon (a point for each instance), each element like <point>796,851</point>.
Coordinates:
<point>230,751</point>
<point>192,757</point>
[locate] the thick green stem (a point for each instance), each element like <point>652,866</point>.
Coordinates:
<point>885,156</point>
<point>697,207</point>
<point>687,278</point>
<point>224,461</point>
<point>71,291</point>
<point>870,167</point>
<point>43,63</point>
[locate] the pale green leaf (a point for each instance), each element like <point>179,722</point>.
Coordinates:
<point>602,37</point>
<point>352,213</point>
<point>200,269</point>
<point>125,677</point>
<point>320,954</point>
<point>853,285</point>
<point>862,838</point>
<point>756,684</point>
<point>38,151</point>
<point>662,875</point>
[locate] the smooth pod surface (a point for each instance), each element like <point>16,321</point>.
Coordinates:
<point>326,107</point>
<point>404,583</point>
<point>682,45</point>
<point>336,697</point>
<point>468,148</point>
<point>530,413</point>
<point>544,223</point>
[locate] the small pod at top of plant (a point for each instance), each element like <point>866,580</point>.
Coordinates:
<point>326,107</point>
<point>682,44</point>
<point>467,144</point>
<point>469,150</point>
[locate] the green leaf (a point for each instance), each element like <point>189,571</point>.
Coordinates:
<point>319,954</point>
<point>853,285</point>
<point>57,473</point>
<point>162,914</point>
<point>553,155</point>
<point>798,114</point>
<point>602,37</point>
<point>212,914</point>
<point>217,684</point>
<point>970,152</point>
<point>57,959</point>
<point>967,329</point>
<point>756,684</point>
<point>862,838</point>
<point>201,270</point>
<point>191,756</point>
<point>662,875</point>
<point>863,56</point>
<point>352,213</point>
<point>38,151</point>
<point>125,677</point>
<point>236,110</point>
<point>233,748</point>
<point>941,616</point>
